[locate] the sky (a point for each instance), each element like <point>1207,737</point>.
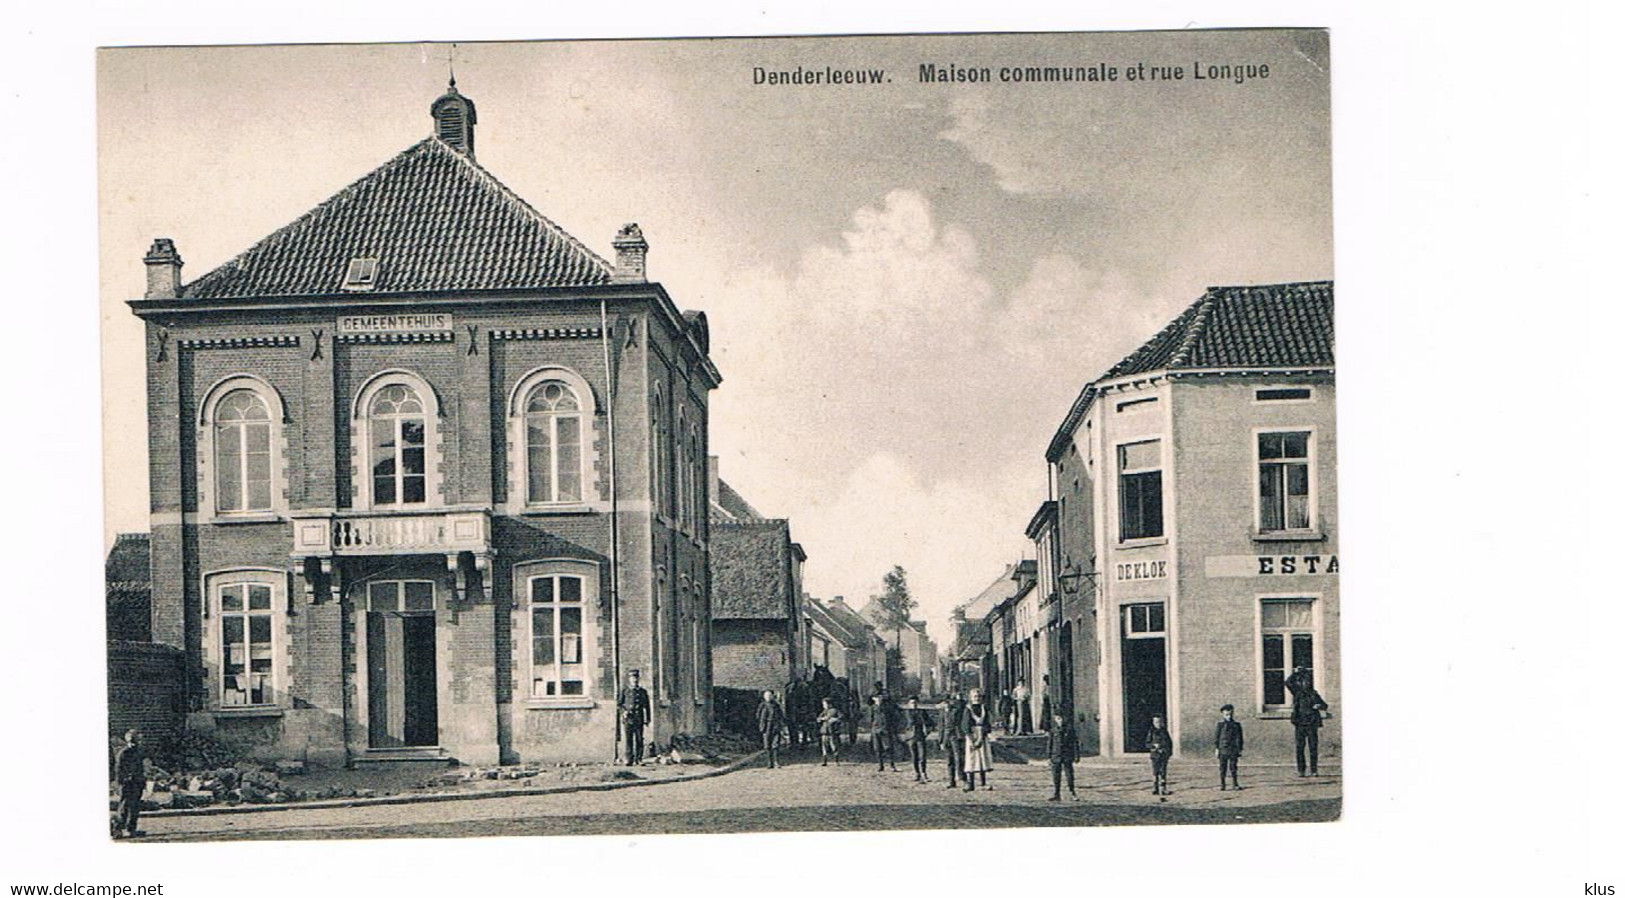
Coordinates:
<point>907,283</point>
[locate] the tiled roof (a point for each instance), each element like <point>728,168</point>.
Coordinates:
<point>1258,326</point>
<point>1265,326</point>
<point>750,570</point>
<point>854,621</point>
<point>823,617</point>
<point>435,221</point>
<point>129,562</point>
<point>733,506</point>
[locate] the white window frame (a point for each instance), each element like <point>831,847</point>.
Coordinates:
<point>400,596</point>
<point>1120,472</point>
<point>214,648</point>
<point>208,456</point>
<point>361,441</point>
<point>1317,652</point>
<point>588,573</point>
<point>519,446</point>
<point>1314,481</point>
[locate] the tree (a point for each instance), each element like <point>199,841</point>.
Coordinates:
<point>894,605</point>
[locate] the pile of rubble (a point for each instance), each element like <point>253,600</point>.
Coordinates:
<point>241,783</point>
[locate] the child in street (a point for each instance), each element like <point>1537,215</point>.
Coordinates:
<point>829,728</point>
<point>1227,742</point>
<point>917,725</point>
<point>1063,751</point>
<point>1161,746</point>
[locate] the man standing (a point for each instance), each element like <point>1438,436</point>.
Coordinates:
<point>770,723</point>
<point>882,720</point>
<point>1306,707</point>
<point>635,715</point>
<point>130,772</point>
<point>951,734</point>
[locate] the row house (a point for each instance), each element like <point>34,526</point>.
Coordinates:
<point>428,476</point>
<point>759,630</point>
<point>1189,545</point>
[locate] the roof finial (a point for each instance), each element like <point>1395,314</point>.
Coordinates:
<point>451,65</point>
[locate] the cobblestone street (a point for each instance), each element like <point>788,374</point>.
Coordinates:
<point>803,795</point>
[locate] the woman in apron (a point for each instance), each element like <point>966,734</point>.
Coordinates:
<point>978,752</point>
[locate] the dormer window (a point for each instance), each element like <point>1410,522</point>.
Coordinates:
<point>362,275</point>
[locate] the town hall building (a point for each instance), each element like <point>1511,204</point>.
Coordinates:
<point>428,477</point>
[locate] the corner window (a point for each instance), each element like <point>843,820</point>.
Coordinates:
<point>558,667</point>
<point>553,443</point>
<point>1287,634</point>
<point>1283,481</point>
<point>1139,467</point>
<point>242,642</point>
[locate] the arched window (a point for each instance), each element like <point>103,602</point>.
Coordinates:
<point>553,443</point>
<point>397,430</point>
<point>242,453</point>
<point>240,465</point>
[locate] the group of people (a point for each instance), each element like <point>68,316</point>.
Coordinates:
<point>1229,739</point>
<point>963,730</point>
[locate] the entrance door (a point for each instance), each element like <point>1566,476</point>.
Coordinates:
<point>1065,696</point>
<point>402,703</point>
<point>1145,672</point>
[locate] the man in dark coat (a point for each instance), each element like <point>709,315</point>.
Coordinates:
<point>1306,707</point>
<point>636,714</point>
<point>770,723</point>
<point>1062,739</point>
<point>1227,744</point>
<point>882,730</point>
<point>916,726</point>
<point>130,772</point>
<point>951,735</point>
<point>798,712</point>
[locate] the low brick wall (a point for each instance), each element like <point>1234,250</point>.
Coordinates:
<point>146,690</point>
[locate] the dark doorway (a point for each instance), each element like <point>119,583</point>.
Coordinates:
<point>1145,672</point>
<point>1066,692</point>
<point>402,704</point>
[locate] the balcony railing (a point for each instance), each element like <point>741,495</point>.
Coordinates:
<point>361,533</point>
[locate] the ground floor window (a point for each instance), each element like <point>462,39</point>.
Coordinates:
<point>242,637</point>
<point>558,667</point>
<point>1287,632</point>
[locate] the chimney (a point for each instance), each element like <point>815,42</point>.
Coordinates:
<point>711,472</point>
<point>631,253</point>
<point>163,270</point>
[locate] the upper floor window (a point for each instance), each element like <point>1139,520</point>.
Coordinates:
<point>550,429</point>
<point>242,452</point>
<point>657,457</point>
<point>398,430</point>
<point>553,443</point>
<point>1139,467</point>
<point>239,448</point>
<point>1284,481</point>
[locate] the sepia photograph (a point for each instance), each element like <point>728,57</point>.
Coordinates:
<point>710,436</point>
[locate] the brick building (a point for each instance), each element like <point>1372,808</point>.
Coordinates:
<point>1191,537</point>
<point>428,476</point>
<point>759,630</point>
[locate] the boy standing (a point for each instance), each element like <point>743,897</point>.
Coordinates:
<point>1161,746</point>
<point>951,734</point>
<point>1227,743</point>
<point>881,718</point>
<point>1063,751</point>
<point>829,729</point>
<point>918,724</point>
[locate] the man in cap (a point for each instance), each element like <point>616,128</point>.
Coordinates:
<point>635,715</point>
